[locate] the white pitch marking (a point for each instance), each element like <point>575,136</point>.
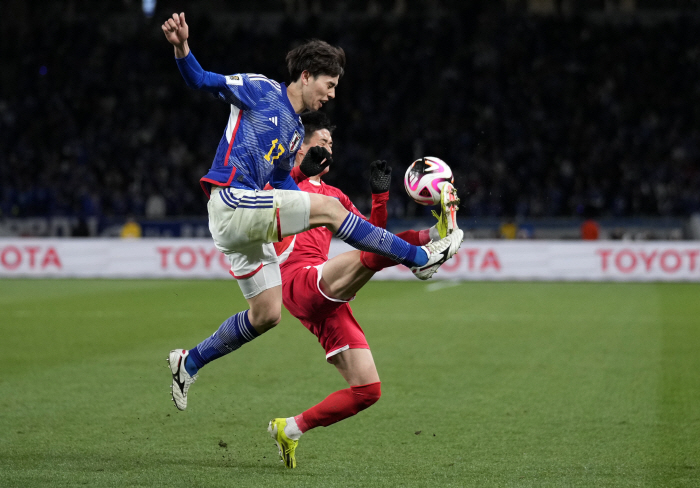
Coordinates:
<point>439,285</point>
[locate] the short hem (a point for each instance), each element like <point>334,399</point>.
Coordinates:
<point>243,277</point>
<point>268,278</point>
<point>319,268</point>
<point>337,351</point>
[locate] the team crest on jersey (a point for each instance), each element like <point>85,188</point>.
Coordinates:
<point>234,80</point>
<point>294,143</point>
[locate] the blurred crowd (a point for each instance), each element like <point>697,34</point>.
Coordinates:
<point>537,116</point>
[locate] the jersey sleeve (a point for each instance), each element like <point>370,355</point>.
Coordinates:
<point>349,206</point>
<point>242,91</point>
<point>196,78</point>
<point>239,90</point>
<point>379,213</point>
<point>297,175</point>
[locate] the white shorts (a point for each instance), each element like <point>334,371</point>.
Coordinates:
<point>244,223</point>
<point>268,277</point>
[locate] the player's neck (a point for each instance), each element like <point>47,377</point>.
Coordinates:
<point>294,95</point>
<point>316,178</point>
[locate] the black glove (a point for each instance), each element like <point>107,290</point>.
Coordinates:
<point>379,176</point>
<point>315,161</point>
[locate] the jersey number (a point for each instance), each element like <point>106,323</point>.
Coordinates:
<point>280,150</point>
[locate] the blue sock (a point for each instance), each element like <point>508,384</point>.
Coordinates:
<point>232,334</point>
<point>364,236</point>
<point>190,367</point>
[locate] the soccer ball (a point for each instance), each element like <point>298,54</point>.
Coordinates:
<point>424,179</point>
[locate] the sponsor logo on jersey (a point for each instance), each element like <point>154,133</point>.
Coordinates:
<point>294,143</point>
<point>234,80</point>
<point>273,120</point>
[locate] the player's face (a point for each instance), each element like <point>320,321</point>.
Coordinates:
<point>317,90</point>
<point>321,138</point>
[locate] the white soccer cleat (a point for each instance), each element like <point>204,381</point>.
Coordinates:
<point>181,378</point>
<point>439,252</point>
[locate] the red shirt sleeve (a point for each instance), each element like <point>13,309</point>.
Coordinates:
<point>378,216</point>
<point>349,206</point>
<point>297,175</point>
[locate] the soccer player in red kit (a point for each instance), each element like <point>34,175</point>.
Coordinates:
<point>317,290</point>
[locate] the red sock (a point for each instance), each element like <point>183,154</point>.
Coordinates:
<point>375,262</point>
<point>339,405</point>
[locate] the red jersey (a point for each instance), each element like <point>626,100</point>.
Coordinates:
<point>328,319</point>
<point>311,248</point>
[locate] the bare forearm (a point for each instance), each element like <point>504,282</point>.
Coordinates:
<point>181,50</point>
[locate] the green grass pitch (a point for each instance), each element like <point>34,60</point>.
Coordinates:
<point>484,384</point>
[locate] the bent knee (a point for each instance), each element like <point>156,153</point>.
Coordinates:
<point>272,319</point>
<point>265,321</point>
<point>367,395</point>
<point>326,211</point>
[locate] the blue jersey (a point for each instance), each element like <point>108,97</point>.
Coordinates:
<point>263,130</point>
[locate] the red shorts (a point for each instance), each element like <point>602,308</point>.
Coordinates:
<point>329,319</point>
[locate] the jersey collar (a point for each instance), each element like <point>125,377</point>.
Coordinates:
<point>286,98</point>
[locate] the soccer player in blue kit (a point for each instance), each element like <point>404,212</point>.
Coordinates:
<point>259,145</point>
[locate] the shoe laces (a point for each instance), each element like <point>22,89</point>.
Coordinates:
<point>191,378</point>
<point>439,246</point>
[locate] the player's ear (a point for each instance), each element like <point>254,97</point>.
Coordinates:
<point>300,156</point>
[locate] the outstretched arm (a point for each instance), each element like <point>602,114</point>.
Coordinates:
<point>176,32</point>
<point>380,182</point>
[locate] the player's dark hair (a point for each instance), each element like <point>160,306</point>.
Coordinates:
<point>314,121</point>
<point>318,58</point>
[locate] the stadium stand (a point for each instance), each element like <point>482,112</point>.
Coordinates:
<point>539,117</point>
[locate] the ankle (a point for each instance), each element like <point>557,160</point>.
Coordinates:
<point>190,366</point>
